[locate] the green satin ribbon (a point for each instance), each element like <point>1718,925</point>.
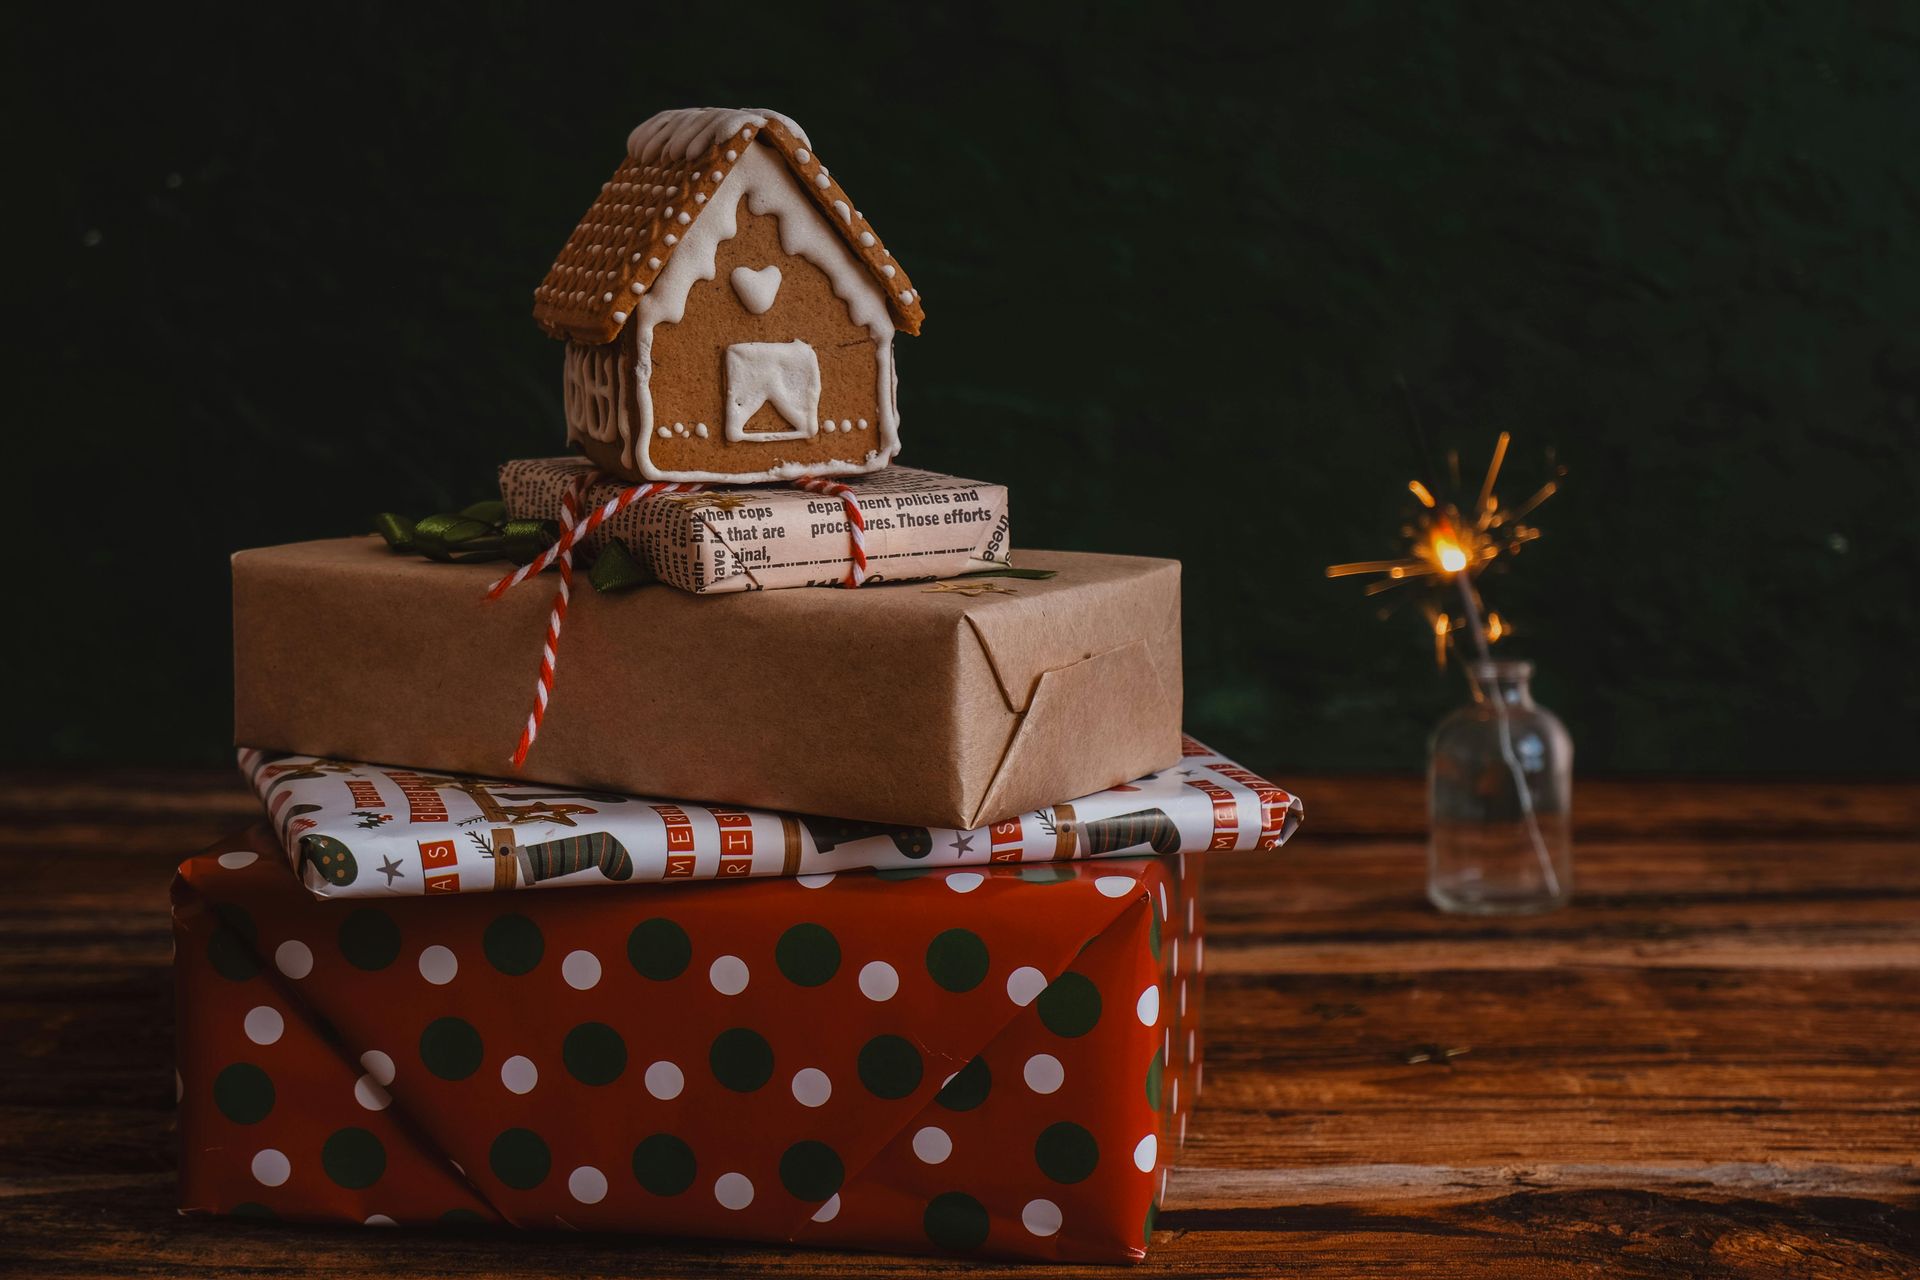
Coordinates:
<point>479,532</point>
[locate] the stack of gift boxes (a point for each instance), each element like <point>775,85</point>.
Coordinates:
<point>960,1013</point>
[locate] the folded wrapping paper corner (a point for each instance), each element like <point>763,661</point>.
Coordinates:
<point>997,1061</point>
<point>362,830</point>
<point>918,525</point>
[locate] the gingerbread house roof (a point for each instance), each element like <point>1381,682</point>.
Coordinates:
<point>674,163</point>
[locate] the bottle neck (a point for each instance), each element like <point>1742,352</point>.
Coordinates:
<point>1504,682</point>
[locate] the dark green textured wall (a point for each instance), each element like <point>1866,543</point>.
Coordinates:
<point>270,276</point>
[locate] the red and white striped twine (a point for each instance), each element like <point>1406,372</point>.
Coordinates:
<point>575,530</point>
<point>856,523</point>
<point>543,687</point>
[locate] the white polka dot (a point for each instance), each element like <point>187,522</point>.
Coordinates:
<point>1149,1006</point>
<point>965,881</point>
<point>1025,984</point>
<point>728,975</point>
<point>817,881</point>
<point>581,969</point>
<point>378,1065</point>
<point>371,1094</point>
<point>264,1024</point>
<point>1044,1074</point>
<point>1163,903</point>
<point>1146,1153</point>
<point>438,965</point>
<point>932,1145</point>
<point>380,1220</point>
<point>293,958</point>
<point>1199,955</point>
<point>270,1168</point>
<point>664,1081</point>
<point>519,1074</point>
<point>587,1185</point>
<point>828,1211</point>
<point>1175,1093</point>
<point>733,1190</point>
<point>878,980</point>
<point>811,1087</point>
<point>1116,886</point>
<point>1041,1217</point>
<point>237,859</point>
<point>1183,997</point>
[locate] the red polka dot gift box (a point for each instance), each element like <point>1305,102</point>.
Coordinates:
<point>995,1060</point>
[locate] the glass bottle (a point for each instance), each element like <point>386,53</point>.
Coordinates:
<point>1500,800</point>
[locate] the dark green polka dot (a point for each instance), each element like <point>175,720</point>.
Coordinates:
<point>1153,933</point>
<point>513,945</point>
<point>811,1171</point>
<point>1153,1081</point>
<point>968,1089</point>
<point>956,1221</point>
<point>663,1164</point>
<point>1046,875</point>
<point>957,959</point>
<point>231,950</point>
<point>742,1060</point>
<point>463,1218</point>
<point>1065,1152</point>
<point>1153,1215</point>
<point>1070,1005</point>
<point>369,938</point>
<point>902,873</point>
<point>594,1053</point>
<point>659,949</point>
<point>244,1093</point>
<point>808,954</point>
<point>353,1158</point>
<point>251,1209</point>
<point>520,1159</point>
<point>890,1067</point>
<point>451,1048</point>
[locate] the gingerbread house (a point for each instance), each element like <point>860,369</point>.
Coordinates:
<point>728,313</point>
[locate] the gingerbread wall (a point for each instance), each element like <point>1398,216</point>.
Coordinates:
<point>689,383</point>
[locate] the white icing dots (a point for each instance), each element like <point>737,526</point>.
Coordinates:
<point>619,317</point>
<point>684,219</point>
<point>906,296</point>
<point>820,179</point>
<point>862,424</point>
<point>653,264</point>
<point>840,207</point>
<point>666,432</point>
<point>866,239</point>
<point>672,241</point>
<point>700,429</point>
<point>732,155</point>
<point>828,426</point>
<point>717,175</point>
<point>886,269</point>
<point>606,297</point>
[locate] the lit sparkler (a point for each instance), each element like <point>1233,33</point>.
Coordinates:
<point>1447,548</point>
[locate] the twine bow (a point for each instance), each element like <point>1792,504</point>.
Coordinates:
<point>575,530</point>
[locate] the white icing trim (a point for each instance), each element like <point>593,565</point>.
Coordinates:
<point>693,131</point>
<point>762,179</point>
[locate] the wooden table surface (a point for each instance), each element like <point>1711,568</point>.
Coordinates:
<point>1708,1066</point>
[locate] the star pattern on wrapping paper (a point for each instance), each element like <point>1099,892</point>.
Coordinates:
<point>391,869</point>
<point>962,842</point>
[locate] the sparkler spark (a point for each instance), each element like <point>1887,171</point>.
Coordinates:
<point>1448,548</point>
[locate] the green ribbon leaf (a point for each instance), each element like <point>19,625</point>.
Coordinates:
<point>480,532</point>
<point>616,570</point>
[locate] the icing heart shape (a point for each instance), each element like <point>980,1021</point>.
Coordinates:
<point>756,288</point>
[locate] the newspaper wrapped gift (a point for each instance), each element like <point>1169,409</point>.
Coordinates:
<point>360,830</point>
<point>919,526</point>
<point>944,704</point>
<point>996,1061</point>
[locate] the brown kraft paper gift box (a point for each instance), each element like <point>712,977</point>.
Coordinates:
<point>911,704</point>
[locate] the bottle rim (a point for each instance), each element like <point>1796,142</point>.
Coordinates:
<point>1500,669</point>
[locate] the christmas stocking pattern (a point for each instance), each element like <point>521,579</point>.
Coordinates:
<point>563,857</point>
